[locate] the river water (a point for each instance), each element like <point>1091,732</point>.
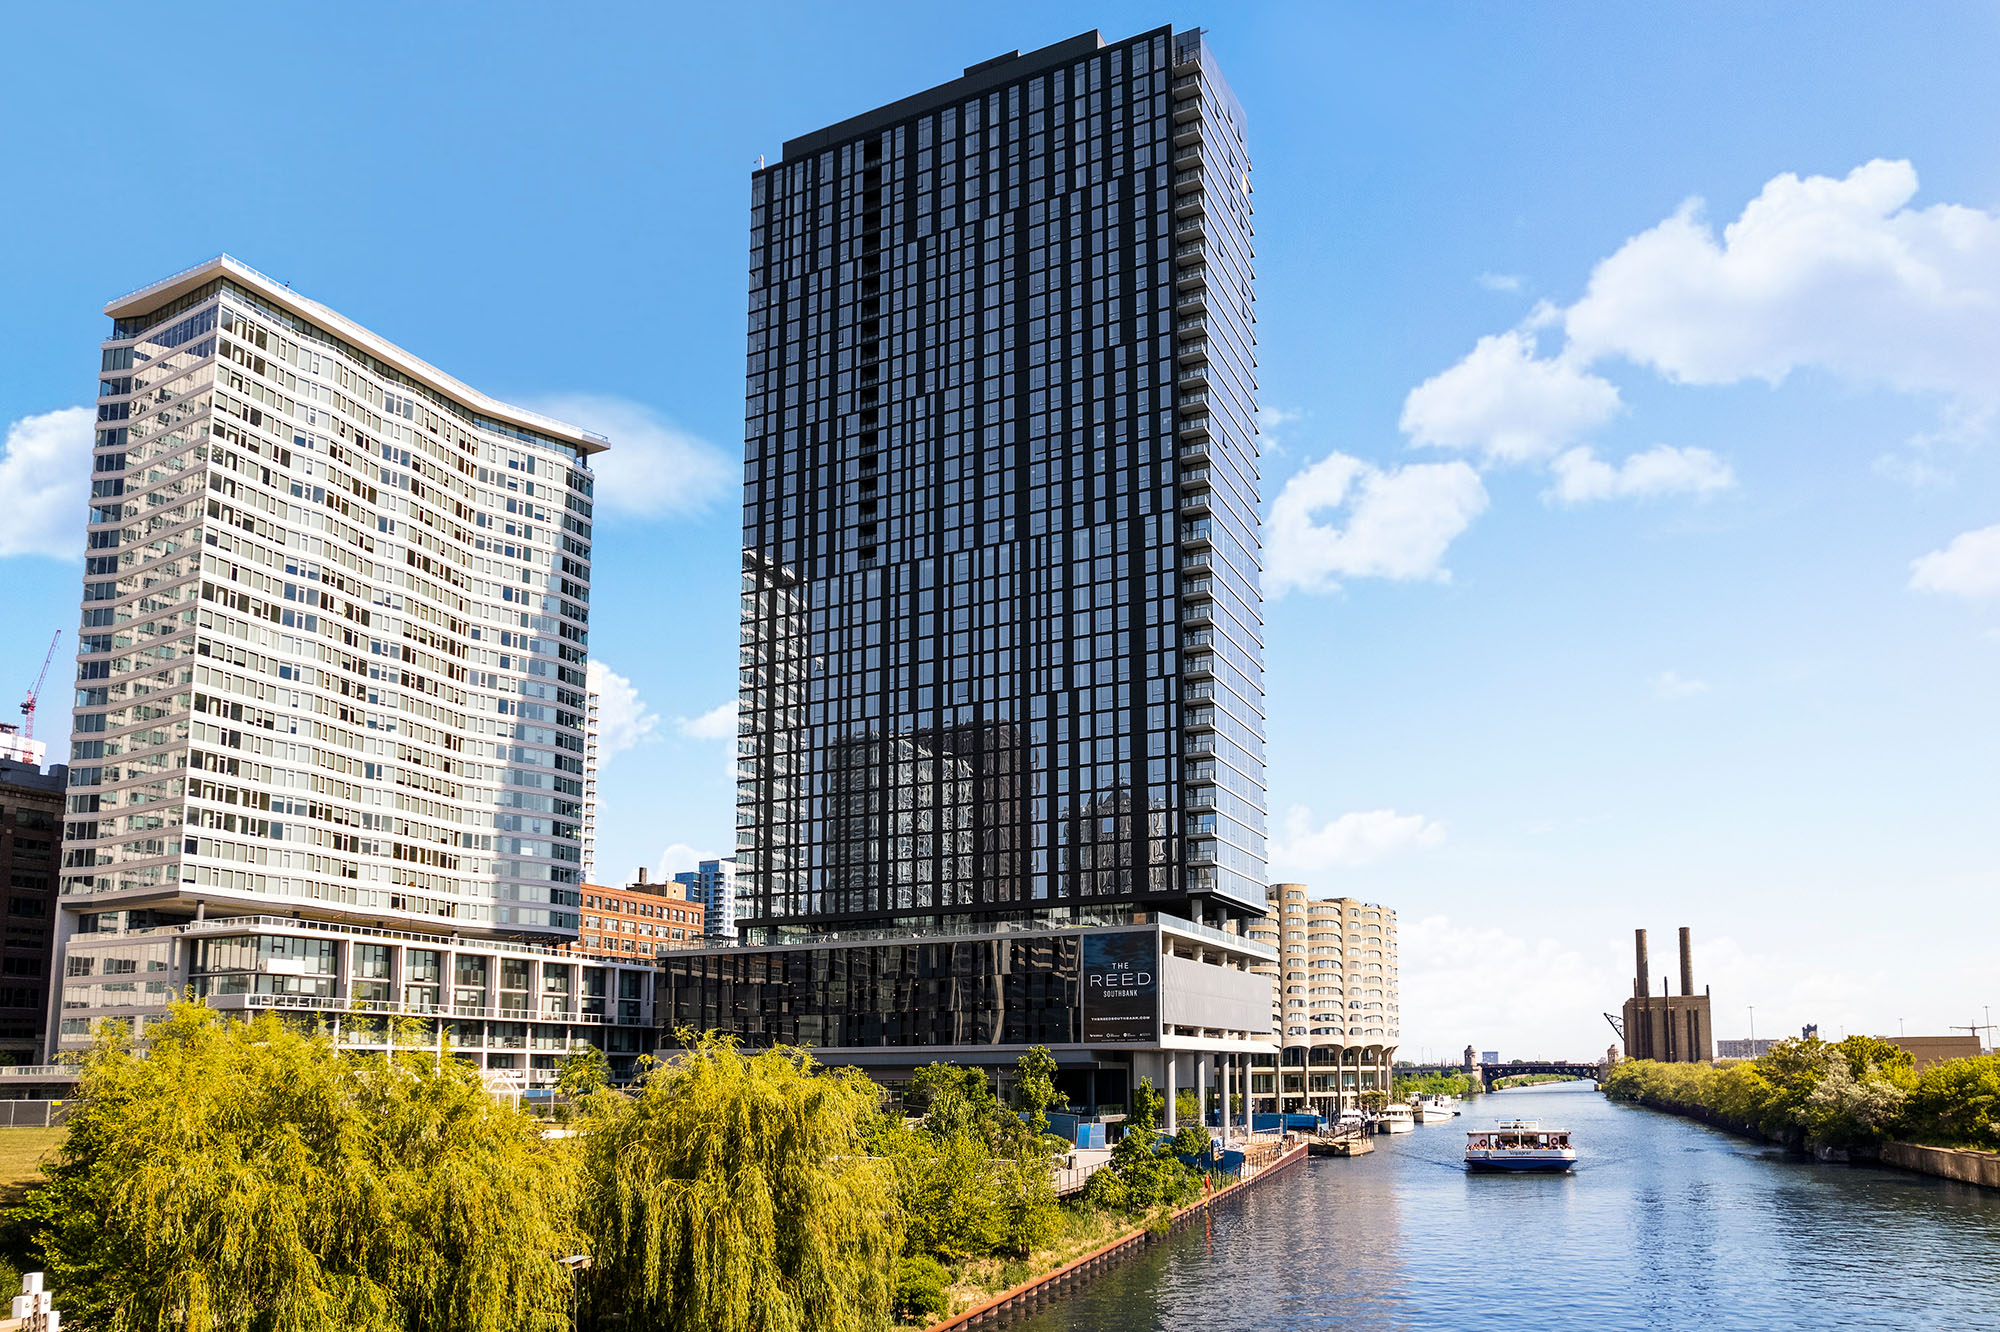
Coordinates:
<point>1665,1225</point>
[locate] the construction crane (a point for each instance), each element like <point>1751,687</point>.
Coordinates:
<point>1975,1029</point>
<point>28,703</point>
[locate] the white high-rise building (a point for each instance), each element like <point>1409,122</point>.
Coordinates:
<point>329,748</point>
<point>592,718</point>
<point>712,883</point>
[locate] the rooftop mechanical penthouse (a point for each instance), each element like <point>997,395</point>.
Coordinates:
<point>329,746</point>
<point>1002,663</point>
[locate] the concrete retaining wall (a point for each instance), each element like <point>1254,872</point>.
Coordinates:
<point>1966,1166</point>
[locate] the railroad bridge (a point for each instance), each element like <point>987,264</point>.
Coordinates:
<point>1489,1074</point>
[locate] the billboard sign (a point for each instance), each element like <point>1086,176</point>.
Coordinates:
<point>1121,988</point>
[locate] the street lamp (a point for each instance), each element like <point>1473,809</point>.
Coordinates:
<point>576,1262</point>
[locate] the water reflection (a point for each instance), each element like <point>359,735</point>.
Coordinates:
<point>1665,1225</point>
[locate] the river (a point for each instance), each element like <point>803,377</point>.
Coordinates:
<point>1665,1225</point>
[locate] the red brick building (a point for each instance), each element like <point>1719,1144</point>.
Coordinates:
<point>641,919</point>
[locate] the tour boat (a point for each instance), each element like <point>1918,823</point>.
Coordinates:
<point>1395,1119</point>
<point>1519,1144</point>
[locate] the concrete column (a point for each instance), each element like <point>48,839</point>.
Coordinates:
<point>1170,1063</point>
<point>1201,1063</point>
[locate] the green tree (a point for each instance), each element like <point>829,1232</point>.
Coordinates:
<point>1187,1107</point>
<point>1148,1175</point>
<point>1957,1104</point>
<point>1035,1086</point>
<point>246,1176</point>
<point>582,1071</point>
<point>921,1288</point>
<point>734,1193</point>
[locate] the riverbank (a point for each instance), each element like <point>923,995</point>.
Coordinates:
<point>1023,1298</point>
<point>1963,1164</point>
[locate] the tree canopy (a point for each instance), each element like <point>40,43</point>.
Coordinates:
<point>733,1193</point>
<point>245,1177</point>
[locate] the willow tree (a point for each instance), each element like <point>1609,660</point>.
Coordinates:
<point>246,1177</point>
<point>733,1193</point>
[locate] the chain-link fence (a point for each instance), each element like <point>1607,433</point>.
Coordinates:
<point>33,1114</point>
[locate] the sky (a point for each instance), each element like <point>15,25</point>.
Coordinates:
<point>1628,376</point>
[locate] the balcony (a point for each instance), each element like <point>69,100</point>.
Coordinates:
<point>1197,428</point>
<point>1194,276</point>
<point>1188,85</point>
<point>1191,252</point>
<point>1191,179</point>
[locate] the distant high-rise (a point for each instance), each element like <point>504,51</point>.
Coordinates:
<point>331,679</point>
<point>1002,630</point>
<point>712,884</point>
<point>1001,650</point>
<point>31,805</point>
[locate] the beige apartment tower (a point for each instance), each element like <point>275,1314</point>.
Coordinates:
<point>1334,1000</point>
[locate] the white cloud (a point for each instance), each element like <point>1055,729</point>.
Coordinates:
<point>622,719</point>
<point>1500,281</point>
<point>1968,567</point>
<point>1913,470</point>
<point>45,477</point>
<point>1581,476</point>
<point>1352,840</point>
<point>1841,275</point>
<point>679,858</point>
<point>1837,275</point>
<point>1526,997</point>
<point>652,468</point>
<point>718,723</point>
<point>1399,522</point>
<point>1508,404</point>
<point>1672,685</point>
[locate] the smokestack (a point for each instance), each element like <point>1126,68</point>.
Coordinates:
<point>1642,980</point>
<point>642,879</point>
<point>1687,962</point>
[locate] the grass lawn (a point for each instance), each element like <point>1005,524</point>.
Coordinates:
<point>22,1151</point>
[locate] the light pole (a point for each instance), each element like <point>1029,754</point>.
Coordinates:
<point>1753,1029</point>
<point>576,1263</point>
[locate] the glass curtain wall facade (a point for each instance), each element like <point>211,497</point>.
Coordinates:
<point>334,630</point>
<point>1001,622</point>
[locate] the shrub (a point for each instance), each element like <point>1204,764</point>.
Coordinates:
<point>921,1288</point>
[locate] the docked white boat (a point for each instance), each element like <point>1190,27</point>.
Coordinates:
<point>1430,1110</point>
<point>1395,1119</point>
<point>1519,1144</point>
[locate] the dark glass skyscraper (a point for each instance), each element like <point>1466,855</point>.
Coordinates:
<point>1001,639</point>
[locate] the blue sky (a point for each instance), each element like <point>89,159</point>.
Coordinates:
<point>1616,535</point>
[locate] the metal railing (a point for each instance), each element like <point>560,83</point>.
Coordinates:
<point>238,924</point>
<point>393,1008</point>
